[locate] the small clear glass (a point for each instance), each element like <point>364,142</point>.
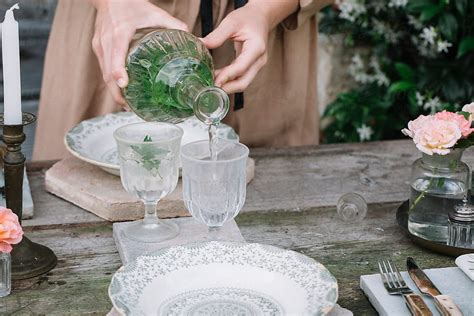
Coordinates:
<point>352,207</point>
<point>214,190</point>
<point>5,274</point>
<point>149,168</point>
<point>461,226</point>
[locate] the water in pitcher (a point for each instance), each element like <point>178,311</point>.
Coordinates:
<point>428,215</point>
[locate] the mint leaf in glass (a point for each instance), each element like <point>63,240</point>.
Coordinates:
<point>150,156</point>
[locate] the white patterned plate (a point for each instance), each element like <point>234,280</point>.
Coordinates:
<point>223,278</point>
<point>92,140</point>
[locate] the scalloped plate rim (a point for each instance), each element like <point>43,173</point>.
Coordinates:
<point>112,168</point>
<point>158,253</point>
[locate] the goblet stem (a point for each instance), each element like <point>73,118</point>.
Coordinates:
<point>151,216</point>
<point>215,233</point>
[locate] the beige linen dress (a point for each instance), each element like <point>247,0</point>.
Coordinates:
<point>280,104</point>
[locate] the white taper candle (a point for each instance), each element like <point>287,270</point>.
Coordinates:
<point>11,69</point>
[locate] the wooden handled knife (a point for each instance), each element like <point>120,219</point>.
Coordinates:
<point>444,303</point>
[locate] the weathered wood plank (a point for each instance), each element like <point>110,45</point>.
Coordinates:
<point>306,181</point>
<point>88,257</point>
<point>348,250</point>
<point>290,179</point>
<point>78,285</point>
<point>51,210</point>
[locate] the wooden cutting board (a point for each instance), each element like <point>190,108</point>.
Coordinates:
<point>101,193</point>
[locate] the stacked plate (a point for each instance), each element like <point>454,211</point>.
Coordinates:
<point>92,140</point>
<point>223,278</point>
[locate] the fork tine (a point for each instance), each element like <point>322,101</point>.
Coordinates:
<point>399,276</point>
<point>390,276</point>
<point>392,272</point>
<point>383,274</point>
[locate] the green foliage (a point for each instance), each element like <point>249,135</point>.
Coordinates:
<point>425,50</point>
<point>150,156</point>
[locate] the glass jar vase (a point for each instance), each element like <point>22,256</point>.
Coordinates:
<point>5,274</point>
<point>438,183</point>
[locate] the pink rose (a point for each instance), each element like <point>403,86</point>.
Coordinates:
<point>416,124</point>
<point>10,230</point>
<point>437,136</point>
<point>464,125</point>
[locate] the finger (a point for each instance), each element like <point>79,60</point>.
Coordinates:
<point>251,52</point>
<point>119,53</point>
<point>162,19</point>
<point>217,37</point>
<point>99,53</point>
<point>241,83</point>
<point>116,93</point>
<point>216,73</point>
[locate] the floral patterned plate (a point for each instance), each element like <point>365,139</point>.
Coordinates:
<point>92,140</point>
<point>223,278</point>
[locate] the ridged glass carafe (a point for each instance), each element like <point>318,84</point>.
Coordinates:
<point>5,274</point>
<point>171,78</point>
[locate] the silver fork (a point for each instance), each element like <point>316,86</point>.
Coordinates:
<point>395,285</point>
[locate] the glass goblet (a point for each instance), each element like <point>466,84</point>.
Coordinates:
<point>214,190</point>
<point>149,154</point>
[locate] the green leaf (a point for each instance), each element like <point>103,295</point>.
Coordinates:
<point>430,12</point>
<point>466,45</point>
<point>147,138</point>
<point>401,86</point>
<point>440,182</point>
<point>419,5</point>
<point>150,156</point>
<point>465,114</point>
<point>463,143</point>
<point>461,6</point>
<point>405,72</point>
<point>448,25</point>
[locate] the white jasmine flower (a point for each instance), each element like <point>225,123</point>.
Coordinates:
<point>358,72</point>
<point>365,132</point>
<point>434,105</point>
<point>386,31</point>
<point>378,6</point>
<point>425,50</point>
<point>397,3</point>
<point>420,99</point>
<point>413,21</point>
<point>443,46</point>
<point>357,61</point>
<point>429,35</point>
<point>379,76</point>
<point>351,9</point>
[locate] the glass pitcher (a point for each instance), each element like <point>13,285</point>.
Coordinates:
<point>171,78</point>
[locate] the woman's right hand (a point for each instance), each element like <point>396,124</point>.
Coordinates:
<point>116,23</point>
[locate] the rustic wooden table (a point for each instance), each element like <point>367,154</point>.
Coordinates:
<point>290,204</point>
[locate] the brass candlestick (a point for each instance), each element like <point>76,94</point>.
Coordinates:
<point>29,259</point>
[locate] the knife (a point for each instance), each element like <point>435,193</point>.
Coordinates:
<point>444,303</point>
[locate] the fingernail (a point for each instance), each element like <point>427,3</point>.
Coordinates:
<point>121,83</point>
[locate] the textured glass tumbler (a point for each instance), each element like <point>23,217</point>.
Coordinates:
<point>5,274</point>
<point>214,190</point>
<point>461,226</point>
<point>352,207</point>
<point>149,155</point>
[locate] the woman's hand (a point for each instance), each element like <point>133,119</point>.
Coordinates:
<point>248,27</point>
<point>116,23</point>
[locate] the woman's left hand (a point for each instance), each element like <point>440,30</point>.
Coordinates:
<point>248,27</point>
<point>249,32</point>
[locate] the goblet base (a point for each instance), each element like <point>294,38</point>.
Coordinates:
<point>150,233</point>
